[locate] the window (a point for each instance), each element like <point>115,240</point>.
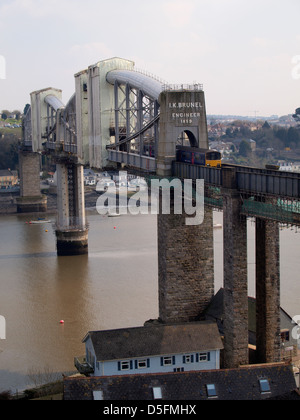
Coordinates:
<point>264,385</point>
<point>167,361</point>
<point>157,394</point>
<point>98,395</point>
<point>142,364</point>
<point>125,365</point>
<point>211,390</point>
<point>204,357</point>
<point>188,358</point>
<point>285,335</point>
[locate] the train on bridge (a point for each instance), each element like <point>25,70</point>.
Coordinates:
<point>196,156</point>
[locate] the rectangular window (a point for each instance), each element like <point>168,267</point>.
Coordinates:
<point>157,394</point>
<point>188,358</point>
<point>264,385</point>
<point>98,395</point>
<point>211,390</point>
<point>285,335</point>
<point>203,357</point>
<point>167,361</point>
<point>125,365</point>
<point>142,364</point>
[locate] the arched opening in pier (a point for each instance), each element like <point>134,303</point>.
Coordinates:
<point>187,138</point>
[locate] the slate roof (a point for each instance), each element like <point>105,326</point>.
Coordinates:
<point>155,340</point>
<point>231,384</point>
<point>6,172</point>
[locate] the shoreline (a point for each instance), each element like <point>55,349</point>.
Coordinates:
<point>8,205</point>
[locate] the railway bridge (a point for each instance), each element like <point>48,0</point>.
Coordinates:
<point>123,118</point>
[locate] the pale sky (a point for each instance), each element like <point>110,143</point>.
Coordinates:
<point>245,52</point>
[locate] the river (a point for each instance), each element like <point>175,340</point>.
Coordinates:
<point>114,286</point>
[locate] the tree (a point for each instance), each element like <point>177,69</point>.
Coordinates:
<point>9,152</point>
<point>297,115</point>
<point>266,126</point>
<point>293,136</point>
<point>245,149</point>
<point>27,106</point>
<point>282,135</point>
<point>17,113</point>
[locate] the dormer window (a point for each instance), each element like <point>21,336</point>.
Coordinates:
<point>264,386</point>
<point>211,391</point>
<point>157,393</point>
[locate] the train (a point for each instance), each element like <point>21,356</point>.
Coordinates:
<point>196,156</point>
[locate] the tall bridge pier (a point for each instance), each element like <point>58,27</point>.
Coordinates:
<point>31,200</point>
<point>185,253</point>
<point>236,282</point>
<point>71,230</point>
<point>267,291</point>
<point>186,267</point>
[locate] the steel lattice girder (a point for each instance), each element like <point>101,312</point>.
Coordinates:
<point>133,112</point>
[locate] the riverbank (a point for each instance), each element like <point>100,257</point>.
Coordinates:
<point>8,203</point>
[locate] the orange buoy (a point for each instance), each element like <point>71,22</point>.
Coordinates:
<point>62,321</point>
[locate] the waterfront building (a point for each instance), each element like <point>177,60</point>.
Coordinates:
<point>152,349</point>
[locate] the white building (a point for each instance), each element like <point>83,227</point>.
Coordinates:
<point>152,349</point>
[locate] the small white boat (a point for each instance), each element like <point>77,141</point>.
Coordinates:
<point>114,215</point>
<point>39,222</point>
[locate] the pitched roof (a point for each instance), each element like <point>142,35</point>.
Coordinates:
<point>155,340</point>
<point>231,384</point>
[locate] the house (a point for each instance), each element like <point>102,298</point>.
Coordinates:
<point>214,312</point>
<point>258,382</point>
<point>152,349</point>
<point>8,178</point>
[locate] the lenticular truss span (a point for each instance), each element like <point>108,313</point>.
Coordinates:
<point>150,86</point>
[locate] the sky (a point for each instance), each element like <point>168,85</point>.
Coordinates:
<point>246,53</point>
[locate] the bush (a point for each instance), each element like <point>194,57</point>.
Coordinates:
<point>5,396</point>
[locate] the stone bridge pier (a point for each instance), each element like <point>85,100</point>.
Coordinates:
<point>71,231</point>
<point>236,283</point>
<point>186,266</point>
<point>31,200</point>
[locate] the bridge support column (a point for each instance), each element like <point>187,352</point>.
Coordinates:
<point>186,267</point>
<point>235,282</point>
<point>71,232</point>
<point>267,291</point>
<point>31,200</point>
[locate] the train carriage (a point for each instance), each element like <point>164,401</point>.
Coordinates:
<point>196,156</point>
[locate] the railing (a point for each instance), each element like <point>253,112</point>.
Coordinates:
<point>143,162</point>
<point>194,86</point>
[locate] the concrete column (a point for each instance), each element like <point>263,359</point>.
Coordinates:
<point>186,267</point>
<point>71,232</point>
<point>31,200</point>
<point>267,291</point>
<point>235,282</point>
